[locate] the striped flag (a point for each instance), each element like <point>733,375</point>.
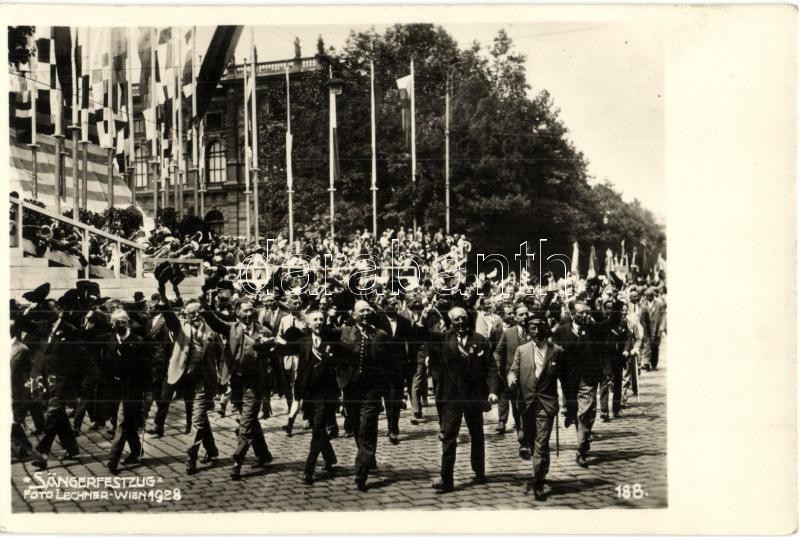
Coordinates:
<point>218,55</point>
<point>186,69</point>
<point>21,176</point>
<point>46,84</point>
<point>592,272</point>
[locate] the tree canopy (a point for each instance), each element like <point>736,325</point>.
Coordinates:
<point>514,173</point>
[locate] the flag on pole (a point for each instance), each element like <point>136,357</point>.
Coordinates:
<point>187,80</point>
<point>219,54</point>
<point>46,84</point>
<point>574,264</point>
<point>144,46</point>
<point>246,113</point>
<point>406,87</point>
<point>372,124</point>
<point>592,272</point>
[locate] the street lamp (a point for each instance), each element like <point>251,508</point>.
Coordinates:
<point>334,89</point>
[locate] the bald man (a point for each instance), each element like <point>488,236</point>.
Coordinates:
<point>468,386</point>
<point>363,377</point>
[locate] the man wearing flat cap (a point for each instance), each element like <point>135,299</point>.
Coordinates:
<point>532,380</point>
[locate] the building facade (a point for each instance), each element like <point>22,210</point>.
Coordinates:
<point>222,203</point>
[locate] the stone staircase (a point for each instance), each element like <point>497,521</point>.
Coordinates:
<point>29,272</point>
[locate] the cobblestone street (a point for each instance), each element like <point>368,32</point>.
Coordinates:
<point>627,451</point>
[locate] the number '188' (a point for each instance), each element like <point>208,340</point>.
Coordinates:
<point>627,492</point>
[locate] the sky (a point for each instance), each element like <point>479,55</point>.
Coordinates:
<point>605,77</point>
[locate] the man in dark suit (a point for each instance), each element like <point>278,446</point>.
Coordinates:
<point>162,342</point>
<point>20,393</point>
<point>245,365</point>
<point>52,370</point>
<point>316,386</point>
<point>127,354</point>
<point>399,335</point>
<point>468,386</point>
<point>532,379</point>
<point>364,378</point>
<point>512,337</point>
<point>193,365</point>
<point>581,373</point>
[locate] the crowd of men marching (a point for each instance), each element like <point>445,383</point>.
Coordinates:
<point>79,360</point>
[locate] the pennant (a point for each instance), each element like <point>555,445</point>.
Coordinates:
<point>406,87</point>
<point>186,70</point>
<point>574,264</point>
<point>592,272</point>
<point>144,48</point>
<point>219,54</point>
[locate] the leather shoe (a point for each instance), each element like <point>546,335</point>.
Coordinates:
<point>113,468</point>
<point>132,459</point>
<point>394,439</point>
<point>348,434</point>
<point>480,479</point>
<point>605,418</point>
<point>525,453</point>
<point>263,461</point>
<point>568,421</point>
<point>70,455</point>
<point>191,466</point>
<point>236,472</point>
<point>581,460</point>
<point>361,484</point>
<point>500,429</point>
<point>442,487</point>
<point>330,467</point>
<point>308,479</point>
<point>40,462</point>
<point>209,457</point>
<point>538,491</point>
<point>616,415</point>
<point>187,429</point>
<point>157,432</point>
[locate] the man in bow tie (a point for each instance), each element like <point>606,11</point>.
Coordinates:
<point>468,387</point>
<point>316,386</point>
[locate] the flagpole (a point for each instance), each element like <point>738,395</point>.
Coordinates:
<point>195,169</point>
<point>255,169</point>
<point>85,123</point>
<point>59,136</point>
<point>110,132</point>
<point>33,145</point>
<point>331,164</point>
<point>413,145</point>
<point>246,155</point>
<point>177,154</point>
<point>201,174</point>
<point>154,172</point>
<point>131,132</point>
<point>174,159</point>
<point>289,179</point>
<point>374,150</point>
<point>179,96</point>
<point>74,128</point>
<point>447,155</point>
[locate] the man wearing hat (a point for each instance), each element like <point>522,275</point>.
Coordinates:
<point>52,370</point>
<point>468,386</point>
<point>532,381</point>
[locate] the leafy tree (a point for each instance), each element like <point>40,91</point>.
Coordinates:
<point>19,45</point>
<point>515,175</point>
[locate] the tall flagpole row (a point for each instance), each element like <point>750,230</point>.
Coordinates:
<point>374,186</point>
<point>254,123</point>
<point>246,155</point>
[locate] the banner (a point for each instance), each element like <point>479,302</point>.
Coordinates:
<point>219,54</point>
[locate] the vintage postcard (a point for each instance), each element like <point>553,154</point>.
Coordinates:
<point>386,269</point>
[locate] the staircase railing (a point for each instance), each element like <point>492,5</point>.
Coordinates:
<point>85,231</point>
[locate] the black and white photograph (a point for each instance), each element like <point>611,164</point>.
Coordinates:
<point>335,267</point>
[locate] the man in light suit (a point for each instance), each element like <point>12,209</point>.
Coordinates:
<point>532,379</point>
<point>656,311</point>
<point>512,338</point>
<point>193,364</point>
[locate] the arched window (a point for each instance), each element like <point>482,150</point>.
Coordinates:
<point>140,159</point>
<point>216,165</point>
<point>215,221</point>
